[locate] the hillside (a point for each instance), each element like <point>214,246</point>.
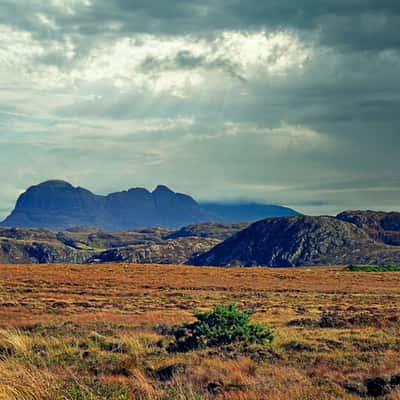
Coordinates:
<point>172,251</point>
<point>297,241</point>
<point>58,205</point>
<point>80,245</point>
<point>381,226</point>
<point>75,245</point>
<point>209,230</point>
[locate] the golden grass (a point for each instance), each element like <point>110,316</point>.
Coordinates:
<point>20,382</point>
<point>72,332</point>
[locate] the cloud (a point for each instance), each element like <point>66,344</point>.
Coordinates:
<point>279,101</point>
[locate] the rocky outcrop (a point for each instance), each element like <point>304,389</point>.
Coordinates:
<point>209,230</point>
<point>173,251</point>
<point>21,245</point>
<point>98,239</point>
<point>79,245</point>
<point>381,226</point>
<point>20,252</point>
<point>295,241</point>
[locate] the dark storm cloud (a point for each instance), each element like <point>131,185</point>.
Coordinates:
<point>360,24</point>
<point>323,135</point>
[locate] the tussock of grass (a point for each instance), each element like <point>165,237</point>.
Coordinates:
<point>26,382</point>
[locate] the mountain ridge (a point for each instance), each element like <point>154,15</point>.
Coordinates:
<point>57,205</point>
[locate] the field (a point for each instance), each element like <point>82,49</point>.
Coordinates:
<point>78,332</point>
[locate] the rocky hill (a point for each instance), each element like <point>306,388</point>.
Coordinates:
<point>172,251</point>
<point>297,241</point>
<point>75,245</point>
<point>40,252</point>
<point>352,237</point>
<point>209,230</point>
<point>58,205</point>
<point>95,238</point>
<point>381,226</point>
<point>78,245</point>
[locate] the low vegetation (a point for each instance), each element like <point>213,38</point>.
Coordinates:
<point>220,327</point>
<point>373,268</point>
<point>104,332</point>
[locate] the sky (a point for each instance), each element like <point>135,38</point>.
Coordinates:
<point>280,101</point>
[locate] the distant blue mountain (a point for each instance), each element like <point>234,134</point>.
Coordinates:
<point>247,212</point>
<point>59,205</point>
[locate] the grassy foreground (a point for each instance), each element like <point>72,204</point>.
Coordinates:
<point>102,332</point>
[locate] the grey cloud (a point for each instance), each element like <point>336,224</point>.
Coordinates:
<point>185,60</point>
<point>348,93</point>
<point>361,24</point>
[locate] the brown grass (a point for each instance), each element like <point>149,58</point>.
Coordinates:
<point>93,332</point>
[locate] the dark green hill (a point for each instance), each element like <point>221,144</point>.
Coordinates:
<point>296,241</point>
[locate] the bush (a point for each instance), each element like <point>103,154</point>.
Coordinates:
<point>219,327</point>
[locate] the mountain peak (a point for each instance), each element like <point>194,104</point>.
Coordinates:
<point>163,189</point>
<point>55,183</point>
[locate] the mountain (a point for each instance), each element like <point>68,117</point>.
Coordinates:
<point>58,205</point>
<point>302,240</point>
<point>247,212</point>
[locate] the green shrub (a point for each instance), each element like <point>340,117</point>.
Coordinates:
<point>219,327</point>
<point>373,268</point>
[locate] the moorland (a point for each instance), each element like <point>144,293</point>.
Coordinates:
<point>104,332</point>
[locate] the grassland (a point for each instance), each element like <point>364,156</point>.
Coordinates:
<point>78,332</point>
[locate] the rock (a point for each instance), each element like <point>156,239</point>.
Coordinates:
<point>209,230</point>
<point>356,388</point>
<point>348,318</point>
<point>381,226</point>
<point>395,380</point>
<point>377,387</point>
<point>215,387</point>
<point>173,251</point>
<point>167,373</point>
<point>298,346</point>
